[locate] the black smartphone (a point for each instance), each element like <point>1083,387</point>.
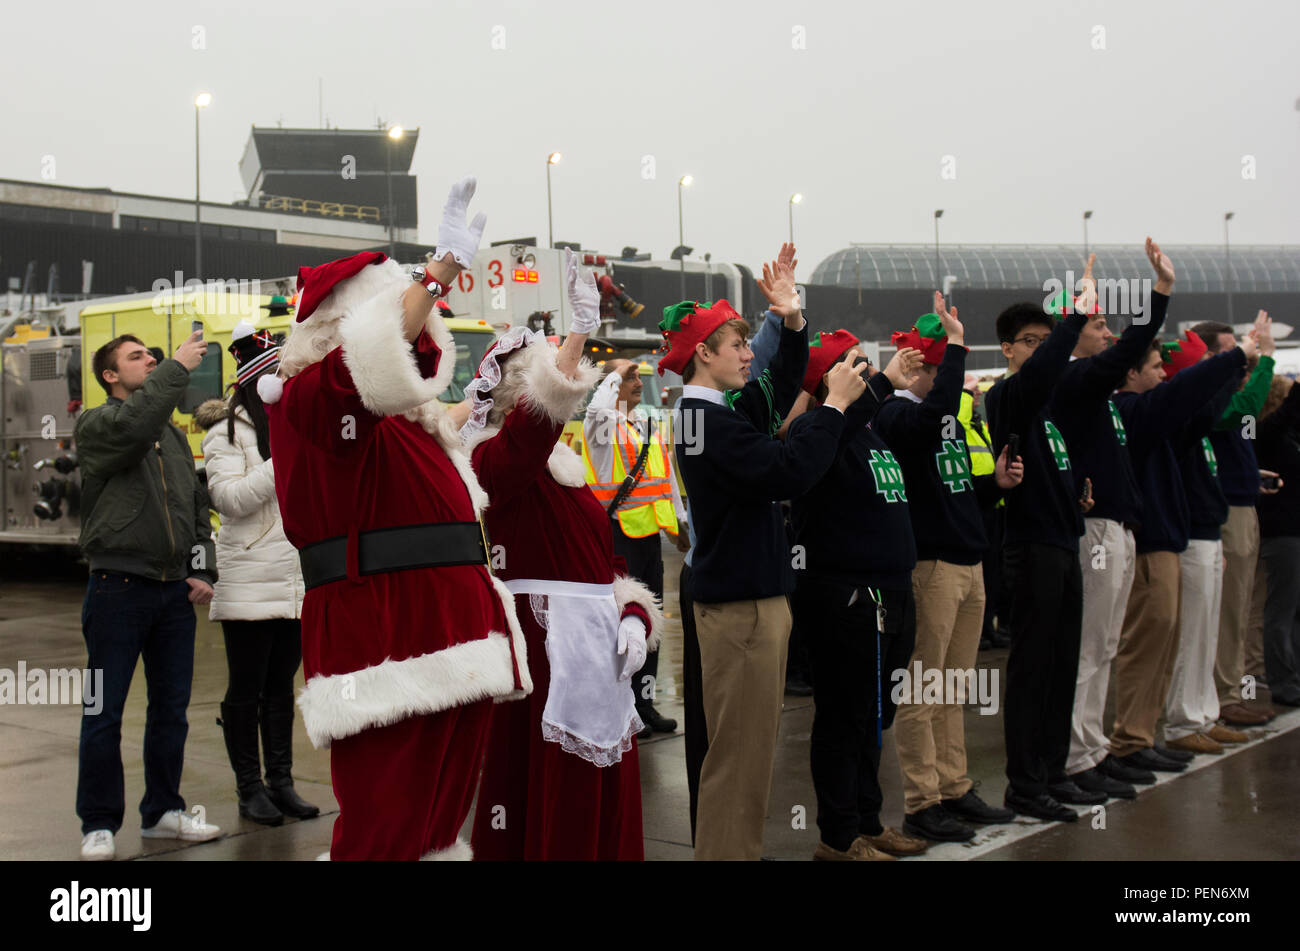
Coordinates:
<point>1087,491</point>
<point>1270,482</point>
<point>1013,448</point>
<point>196,326</point>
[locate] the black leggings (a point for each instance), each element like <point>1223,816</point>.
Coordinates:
<point>262,657</point>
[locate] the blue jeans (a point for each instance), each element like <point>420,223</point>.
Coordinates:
<point>124,617</point>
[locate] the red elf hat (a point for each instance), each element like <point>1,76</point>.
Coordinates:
<point>316,283</point>
<point>822,354</point>
<point>1181,354</point>
<point>926,335</point>
<point>686,324</point>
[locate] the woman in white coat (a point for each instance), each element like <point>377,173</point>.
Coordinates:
<point>259,597</point>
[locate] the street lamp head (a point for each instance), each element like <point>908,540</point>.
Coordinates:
<point>685,181</point>
<point>553,158</point>
<point>396,132</point>
<point>1228,216</point>
<point>203,100</point>
<point>1087,215</point>
<point>796,198</point>
<point>938,212</point>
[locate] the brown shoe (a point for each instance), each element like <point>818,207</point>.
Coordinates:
<point>859,851</point>
<point>897,843</point>
<point>1194,743</point>
<point>1224,734</point>
<point>1240,715</point>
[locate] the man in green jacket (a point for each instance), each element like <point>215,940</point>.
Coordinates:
<point>146,535</point>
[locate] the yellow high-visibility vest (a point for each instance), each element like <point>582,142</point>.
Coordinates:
<point>649,506</point>
<point>981,455</point>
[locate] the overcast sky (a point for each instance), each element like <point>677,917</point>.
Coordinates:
<point>854,105</point>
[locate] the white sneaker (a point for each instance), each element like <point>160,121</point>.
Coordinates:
<point>98,846</point>
<point>178,824</point>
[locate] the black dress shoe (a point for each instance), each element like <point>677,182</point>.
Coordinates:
<point>1040,807</point>
<point>1178,756</point>
<point>1094,780</point>
<point>655,721</point>
<point>288,801</point>
<point>1114,769</point>
<point>935,824</point>
<point>971,808</point>
<point>1066,790</point>
<point>1150,759</point>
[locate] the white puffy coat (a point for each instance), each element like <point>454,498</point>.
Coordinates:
<point>258,570</point>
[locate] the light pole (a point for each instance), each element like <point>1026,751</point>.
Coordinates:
<point>1086,216</point>
<point>552,159</point>
<point>682,182</point>
<point>794,200</point>
<point>201,101</point>
<point>1227,254</point>
<point>938,281</point>
<point>395,134</point>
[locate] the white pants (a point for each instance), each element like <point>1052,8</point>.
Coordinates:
<point>1192,705</point>
<point>1108,556</point>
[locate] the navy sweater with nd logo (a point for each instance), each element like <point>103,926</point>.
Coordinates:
<point>1044,508</point>
<point>943,497</point>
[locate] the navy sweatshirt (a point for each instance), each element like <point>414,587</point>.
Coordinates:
<point>736,473</point>
<point>1207,508</point>
<point>1238,468</point>
<point>1279,451</point>
<point>941,492</point>
<point>854,524</point>
<point>1083,411</point>
<point>1154,421</point>
<point>1044,508</point>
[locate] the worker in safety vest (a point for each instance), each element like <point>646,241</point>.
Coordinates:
<point>613,436</point>
<point>981,463</point>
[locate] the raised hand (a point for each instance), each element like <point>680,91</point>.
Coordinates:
<point>584,297</point>
<point>1087,301</point>
<point>456,236</point>
<point>905,366</point>
<point>190,353</point>
<point>777,284</point>
<point>951,325</point>
<point>1164,268</point>
<point>1264,333</point>
<point>845,381</point>
<point>1249,346</point>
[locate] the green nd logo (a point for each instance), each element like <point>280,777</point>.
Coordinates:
<point>888,475</point>
<point>1057,444</point>
<point>952,466</point>
<point>1211,459</point>
<point>1118,421</point>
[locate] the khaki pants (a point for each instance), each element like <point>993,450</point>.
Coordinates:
<point>1241,556</point>
<point>931,738</point>
<point>1107,580</point>
<point>1147,646</point>
<point>742,661</point>
<point>1193,704</point>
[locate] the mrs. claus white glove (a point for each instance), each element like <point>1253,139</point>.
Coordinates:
<point>455,235</point>
<point>631,646</point>
<point>584,297</point>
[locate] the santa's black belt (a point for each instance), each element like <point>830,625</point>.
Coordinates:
<point>395,549</point>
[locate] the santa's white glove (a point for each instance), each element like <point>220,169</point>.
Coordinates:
<point>584,297</point>
<point>631,646</point>
<point>455,236</point>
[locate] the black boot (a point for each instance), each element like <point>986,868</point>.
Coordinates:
<point>277,747</point>
<point>239,723</point>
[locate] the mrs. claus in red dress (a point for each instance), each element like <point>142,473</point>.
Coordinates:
<point>561,779</point>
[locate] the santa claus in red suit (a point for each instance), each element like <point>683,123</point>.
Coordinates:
<point>561,779</point>
<point>406,637</point>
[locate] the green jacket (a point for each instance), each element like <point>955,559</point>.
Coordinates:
<point>143,508</point>
<point>1250,399</point>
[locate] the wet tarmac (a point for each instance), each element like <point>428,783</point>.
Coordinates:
<point>1234,806</point>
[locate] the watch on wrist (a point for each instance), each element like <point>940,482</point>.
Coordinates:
<point>431,284</point>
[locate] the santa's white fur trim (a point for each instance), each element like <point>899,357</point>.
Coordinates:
<point>516,638</point>
<point>628,590</point>
<point>342,705</point>
<point>548,392</point>
<point>459,851</point>
<point>566,466</point>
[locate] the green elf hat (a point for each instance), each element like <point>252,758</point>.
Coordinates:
<point>1181,354</point>
<point>686,324</point>
<point>926,335</point>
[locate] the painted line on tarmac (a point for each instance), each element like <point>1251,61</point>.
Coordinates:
<point>990,838</point>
